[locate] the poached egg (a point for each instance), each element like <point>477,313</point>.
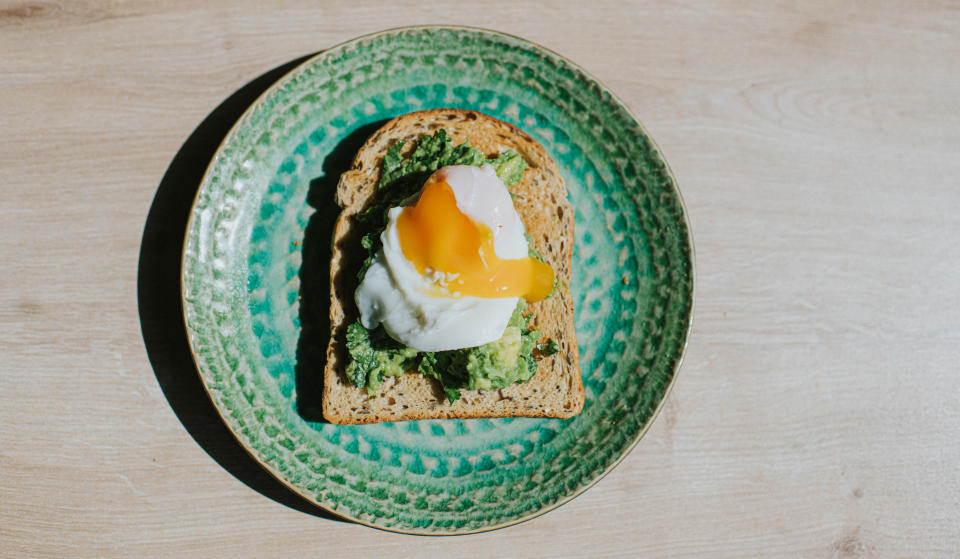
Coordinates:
<point>453,264</point>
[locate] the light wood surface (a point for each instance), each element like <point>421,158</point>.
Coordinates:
<point>817,145</point>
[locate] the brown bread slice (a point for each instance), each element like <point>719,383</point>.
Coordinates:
<point>541,200</point>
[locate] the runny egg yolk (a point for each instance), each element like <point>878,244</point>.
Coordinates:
<point>436,236</point>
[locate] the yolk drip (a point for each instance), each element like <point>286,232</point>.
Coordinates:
<point>436,236</point>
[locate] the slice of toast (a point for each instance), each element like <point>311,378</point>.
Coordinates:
<point>556,390</point>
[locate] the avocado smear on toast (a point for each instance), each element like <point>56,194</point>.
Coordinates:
<point>374,354</point>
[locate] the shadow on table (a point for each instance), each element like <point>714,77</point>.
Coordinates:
<point>161,310</point>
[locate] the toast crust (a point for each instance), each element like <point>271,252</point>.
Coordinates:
<point>556,390</point>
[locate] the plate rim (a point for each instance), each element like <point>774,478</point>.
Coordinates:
<point>275,86</point>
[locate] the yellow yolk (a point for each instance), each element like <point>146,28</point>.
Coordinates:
<point>436,236</point>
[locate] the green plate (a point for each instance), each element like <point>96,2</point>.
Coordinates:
<point>254,283</point>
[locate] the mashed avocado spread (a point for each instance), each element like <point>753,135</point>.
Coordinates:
<point>374,354</point>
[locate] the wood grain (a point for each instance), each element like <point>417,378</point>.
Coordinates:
<point>816,145</point>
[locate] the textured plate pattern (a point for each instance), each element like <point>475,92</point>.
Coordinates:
<point>633,282</point>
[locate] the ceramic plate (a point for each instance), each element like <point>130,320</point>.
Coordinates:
<point>254,282</point>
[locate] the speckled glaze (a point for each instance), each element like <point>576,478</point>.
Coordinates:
<point>632,284</point>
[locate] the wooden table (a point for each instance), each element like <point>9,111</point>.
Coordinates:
<point>817,413</point>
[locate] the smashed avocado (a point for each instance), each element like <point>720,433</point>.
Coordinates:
<point>487,367</point>
<point>374,354</point>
